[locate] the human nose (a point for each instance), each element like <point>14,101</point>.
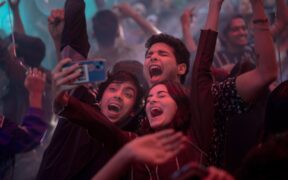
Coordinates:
<point>152,100</point>
<point>154,58</point>
<point>118,95</point>
<point>243,31</point>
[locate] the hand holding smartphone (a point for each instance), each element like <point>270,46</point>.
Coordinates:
<point>92,71</point>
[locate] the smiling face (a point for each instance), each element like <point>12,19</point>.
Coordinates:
<point>160,64</point>
<point>160,107</point>
<point>118,101</point>
<point>237,34</point>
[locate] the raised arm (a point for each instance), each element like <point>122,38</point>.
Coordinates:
<point>18,24</point>
<point>186,19</point>
<point>213,15</point>
<point>16,138</point>
<point>55,27</point>
<point>128,11</point>
<point>74,43</point>
<point>250,83</point>
<point>281,18</point>
<point>201,81</point>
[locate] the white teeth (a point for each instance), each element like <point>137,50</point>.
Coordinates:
<point>154,67</point>
<point>155,108</point>
<point>156,111</point>
<point>114,107</point>
<point>155,70</point>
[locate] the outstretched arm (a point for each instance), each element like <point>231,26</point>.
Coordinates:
<point>91,118</point>
<point>250,83</point>
<point>152,149</point>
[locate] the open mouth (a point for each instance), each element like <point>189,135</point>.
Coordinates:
<point>114,107</point>
<point>155,70</point>
<point>156,111</point>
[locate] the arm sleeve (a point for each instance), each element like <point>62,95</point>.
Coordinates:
<point>21,138</point>
<point>201,97</point>
<point>74,33</point>
<point>96,123</point>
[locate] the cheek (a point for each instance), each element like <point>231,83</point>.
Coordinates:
<point>145,65</point>
<point>146,61</point>
<point>147,109</point>
<point>232,38</point>
<point>170,63</point>
<point>102,106</point>
<point>129,103</point>
<point>103,99</point>
<point>172,110</point>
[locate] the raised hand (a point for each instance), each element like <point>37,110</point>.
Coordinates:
<point>125,10</point>
<point>186,17</point>
<point>56,23</point>
<point>35,81</point>
<point>64,76</point>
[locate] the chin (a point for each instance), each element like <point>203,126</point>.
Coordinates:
<point>159,126</point>
<point>156,126</point>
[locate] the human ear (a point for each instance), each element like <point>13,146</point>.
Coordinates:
<point>181,68</point>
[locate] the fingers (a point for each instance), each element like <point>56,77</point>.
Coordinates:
<point>60,65</point>
<point>170,143</point>
<point>65,75</point>
<point>35,73</point>
<point>65,71</point>
<point>70,78</point>
<point>56,16</point>
<point>167,152</point>
<point>170,139</point>
<point>186,17</point>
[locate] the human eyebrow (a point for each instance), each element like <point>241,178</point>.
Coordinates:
<point>162,52</point>
<point>149,53</point>
<point>131,89</point>
<point>162,92</point>
<point>114,84</point>
<point>148,97</point>
<point>236,28</point>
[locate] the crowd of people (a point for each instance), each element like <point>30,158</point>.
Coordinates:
<point>208,105</point>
